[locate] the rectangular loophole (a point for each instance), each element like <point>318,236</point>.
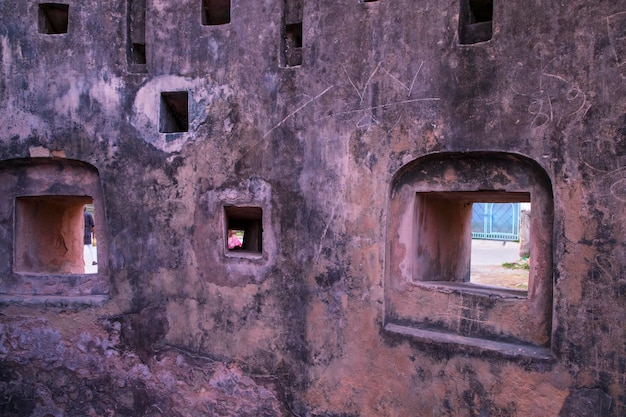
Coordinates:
<point>51,235</point>
<point>138,53</point>
<point>293,34</point>
<point>293,44</point>
<point>215,12</point>
<point>136,36</point>
<point>475,21</point>
<point>244,229</point>
<point>174,112</point>
<point>53,18</point>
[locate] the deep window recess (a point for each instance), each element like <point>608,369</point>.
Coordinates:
<point>136,42</point>
<point>174,112</point>
<point>49,235</point>
<point>292,35</point>
<point>215,12</point>
<point>430,290</point>
<point>53,18</point>
<point>244,229</point>
<point>44,255</point>
<point>475,21</point>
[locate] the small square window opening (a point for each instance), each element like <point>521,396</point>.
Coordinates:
<point>475,21</point>
<point>174,112</point>
<point>215,12</point>
<point>53,18</point>
<point>244,229</point>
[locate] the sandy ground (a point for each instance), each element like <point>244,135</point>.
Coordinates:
<point>487,259</point>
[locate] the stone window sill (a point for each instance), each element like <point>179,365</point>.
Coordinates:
<point>511,350</point>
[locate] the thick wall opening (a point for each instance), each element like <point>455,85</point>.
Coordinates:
<point>53,18</point>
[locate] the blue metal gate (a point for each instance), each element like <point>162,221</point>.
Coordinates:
<point>495,221</point>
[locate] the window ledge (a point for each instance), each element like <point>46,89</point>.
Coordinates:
<point>54,300</point>
<point>511,350</point>
<point>469,288</point>
<point>56,275</point>
<point>244,254</point>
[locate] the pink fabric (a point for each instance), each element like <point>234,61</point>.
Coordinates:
<point>233,242</point>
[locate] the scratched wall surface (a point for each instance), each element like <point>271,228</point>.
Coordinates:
<point>180,326</point>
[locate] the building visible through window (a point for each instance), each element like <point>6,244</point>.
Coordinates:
<point>500,255</point>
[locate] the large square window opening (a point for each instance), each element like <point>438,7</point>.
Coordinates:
<point>244,229</point>
<point>51,235</point>
<point>474,237</point>
<point>431,292</point>
<point>215,12</point>
<point>53,18</point>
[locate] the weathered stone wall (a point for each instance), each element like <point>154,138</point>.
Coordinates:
<point>174,324</point>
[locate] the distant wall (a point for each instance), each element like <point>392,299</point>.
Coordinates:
<point>309,124</point>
